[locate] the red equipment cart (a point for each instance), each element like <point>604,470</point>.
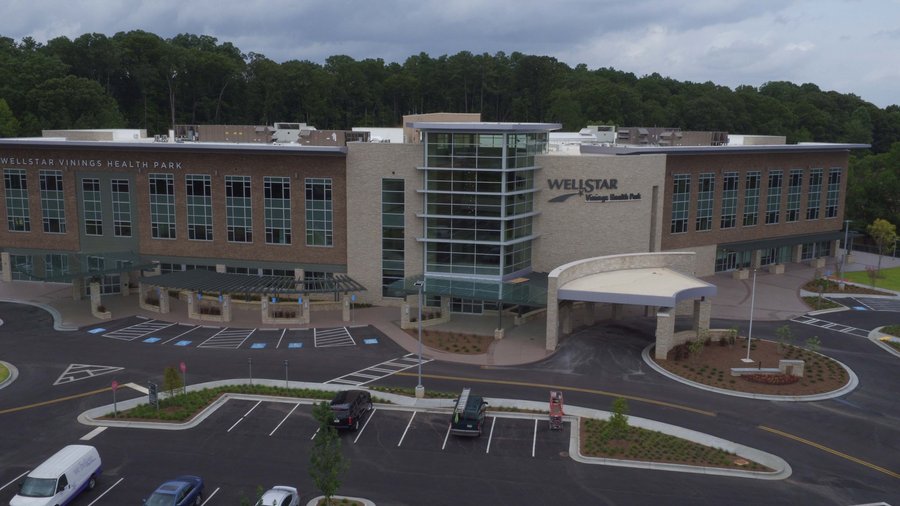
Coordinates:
<point>556,410</point>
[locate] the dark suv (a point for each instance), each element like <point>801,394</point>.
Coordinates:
<point>468,414</point>
<point>349,407</point>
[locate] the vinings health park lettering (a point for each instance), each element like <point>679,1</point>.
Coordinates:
<point>593,190</point>
<point>13,161</point>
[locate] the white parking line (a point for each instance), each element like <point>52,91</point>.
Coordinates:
<point>534,441</point>
<point>314,435</point>
<point>491,435</point>
<point>280,338</point>
<point>193,328</point>
<point>105,491</point>
<point>245,415</point>
<point>407,428</point>
<point>285,418</point>
<point>135,386</point>
<point>14,480</point>
<point>92,434</point>
<point>446,436</point>
<point>368,418</point>
<point>211,496</point>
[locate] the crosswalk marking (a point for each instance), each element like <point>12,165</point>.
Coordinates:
<point>837,327</point>
<point>338,336</point>
<point>137,330</point>
<point>363,376</point>
<point>227,338</point>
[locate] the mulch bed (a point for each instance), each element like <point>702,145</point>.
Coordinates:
<point>713,367</point>
<point>454,342</point>
<point>834,287</point>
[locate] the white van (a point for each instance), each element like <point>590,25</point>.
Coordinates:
<point>60,478</point>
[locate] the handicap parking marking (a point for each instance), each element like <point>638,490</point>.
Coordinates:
<point>294,346</point>
<point>257,346</point>
<point>153,340</point>
<point>97,330</point>
<point>338,336</point>
<point>183,343</point>
<point>370,340</point>
<point>77,372</point>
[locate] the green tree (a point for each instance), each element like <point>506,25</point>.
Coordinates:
<point>74,102</point>
<point>617,425</point>
<point>9,125</point>
<point>785,337</point>
<point>326,462</point>
<point>172,381</point>
<point>884,233</point>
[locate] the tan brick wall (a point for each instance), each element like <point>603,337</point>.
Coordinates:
<point>367,165</point>
<point>576,229</point>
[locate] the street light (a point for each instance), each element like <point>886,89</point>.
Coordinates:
<point>420,390</point>
<point>750,330</point>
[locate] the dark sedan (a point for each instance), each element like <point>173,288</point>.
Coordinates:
<point>182,491</point>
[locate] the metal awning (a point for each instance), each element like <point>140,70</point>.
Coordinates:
<point>200,280</point>
<point>529,290</point>
<point>776,242</point>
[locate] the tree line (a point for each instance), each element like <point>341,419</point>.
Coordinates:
<point>137,79</point>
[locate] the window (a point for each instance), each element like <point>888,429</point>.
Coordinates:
<point>278,209</point>
<point>93,212</point>
<point>751,198</point>
<point>56,264</point>
<point>121,207</point>
<point>162,206</point>
<point>393,212</point>
<point>53,209</point>
<point>681,194</point>
<point>705,190</point>
<point>319,212</point>
<point>199,207</point>
<point>773,198</point>
<point>814,198</point>
<point>795,188</point>
<point>729,200</point>
<point>834,191</point>
<point>16,188</point>
<point>238,209</point>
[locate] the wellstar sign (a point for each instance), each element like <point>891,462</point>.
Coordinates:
<point>589,189</point>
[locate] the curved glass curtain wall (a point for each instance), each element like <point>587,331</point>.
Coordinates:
<point>479,203</point>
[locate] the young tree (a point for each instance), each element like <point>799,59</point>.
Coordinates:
<point>617,426</point>
<point>326,462</point>
<point>785,337</point>
<point>885,235</point>
<point>172,382</point>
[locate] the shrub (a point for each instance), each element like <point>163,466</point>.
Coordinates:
<point>771,379</point>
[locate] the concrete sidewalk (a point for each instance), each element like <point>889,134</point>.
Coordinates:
<point>777,298</point>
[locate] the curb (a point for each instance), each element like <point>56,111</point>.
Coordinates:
<point>874,336</point>
<point>401,403</point>
<point>13,374</point>
<point>58,322</point>
<point>851,384</point>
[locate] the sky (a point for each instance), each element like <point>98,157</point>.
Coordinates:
<point>849,46</point>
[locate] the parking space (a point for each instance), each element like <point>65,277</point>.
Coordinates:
<point>874,304</point>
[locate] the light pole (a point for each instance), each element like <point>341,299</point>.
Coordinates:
<point>420,390</point>
<point>750,330</point>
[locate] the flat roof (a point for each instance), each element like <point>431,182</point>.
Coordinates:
<point>462,126</point>
<point>653,286</point>
<point>230,147</point>
<point>591,149</point>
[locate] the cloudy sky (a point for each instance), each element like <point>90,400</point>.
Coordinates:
<point>850,46</point>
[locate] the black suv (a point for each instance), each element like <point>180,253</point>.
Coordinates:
<point>468,414</point>
<point>349,407</point>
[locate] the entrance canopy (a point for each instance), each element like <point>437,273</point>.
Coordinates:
<point>655,286</point>
<point>200,280</point>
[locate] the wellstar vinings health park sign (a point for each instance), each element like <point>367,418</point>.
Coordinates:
<point>593,190</point>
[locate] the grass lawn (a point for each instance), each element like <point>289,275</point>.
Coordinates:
<point>888,278</point>
<point>4,373</point>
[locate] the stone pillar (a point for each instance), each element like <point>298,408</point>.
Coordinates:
<point>77,288</point>
<point>702,308</point>
<point>755,259</point>
<point>6,265</point>
<point>220,268</point>
<point>39,266</point>
<point>192,304</point>
<point>665,331</point>
<point>565,312</point>
<point>306,315</point>
<point>445,307</point>
<point>226,307</point>
<point>264,308</point>
<point>797,253</point>
<point>157,269</point>
<point>345,306</point>
<point>835,248</point>
<point>404,315</point>
<point>616,311</point>
<point>164,305</point>
<point>589,313</point>
<point>95,295</point>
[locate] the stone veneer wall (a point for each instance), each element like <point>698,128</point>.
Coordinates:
<point>367,165</point>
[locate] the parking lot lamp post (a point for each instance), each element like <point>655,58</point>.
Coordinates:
<point>750,330</point>
<point>420,390</point>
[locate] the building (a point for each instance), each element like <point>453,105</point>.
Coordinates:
<point>476,217</point>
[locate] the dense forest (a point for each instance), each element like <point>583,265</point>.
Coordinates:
<point>139,80</point>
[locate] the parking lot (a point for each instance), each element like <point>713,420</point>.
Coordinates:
<point>160,332</point>
<point>247,444</point>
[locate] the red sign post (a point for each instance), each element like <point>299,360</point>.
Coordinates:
<point>183,368</point>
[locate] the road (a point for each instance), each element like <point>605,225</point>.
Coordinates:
<point>842,451</point>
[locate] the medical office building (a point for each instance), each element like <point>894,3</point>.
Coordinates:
<point>488,215</point>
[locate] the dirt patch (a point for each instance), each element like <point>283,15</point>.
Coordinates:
<point>454,342</point>
<point>712,366</point>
